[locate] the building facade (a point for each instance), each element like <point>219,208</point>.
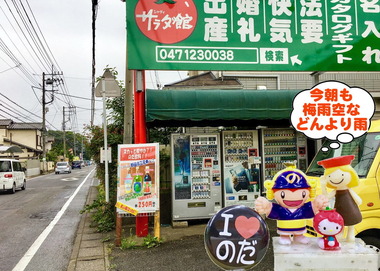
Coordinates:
<point>27,136</point>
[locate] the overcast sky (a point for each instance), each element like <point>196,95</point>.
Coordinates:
<point>66,28</point>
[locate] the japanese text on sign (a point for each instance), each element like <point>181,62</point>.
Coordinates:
<point>333,110</point>
<point>137,153</point>
<point>288,34</point>
<point>227,250</point>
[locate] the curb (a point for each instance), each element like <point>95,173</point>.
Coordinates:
<point>89,251</point>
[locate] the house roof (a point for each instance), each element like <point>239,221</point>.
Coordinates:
<point>23,146</point>
<point>26,126</point>
<point>5,122</point>
<point>205,80</point>
<point>10,149</point>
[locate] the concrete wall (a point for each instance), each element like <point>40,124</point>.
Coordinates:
<point>32,168</point>
<point>35,167</point>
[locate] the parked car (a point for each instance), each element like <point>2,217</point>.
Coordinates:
<point>367,165</point>
<point>12,175</point>
<point>76,164</point>
<point>62,167</point>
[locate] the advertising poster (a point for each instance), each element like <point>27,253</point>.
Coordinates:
<point>241,167</point>
<point>138,178</point>
<point>182,178</point>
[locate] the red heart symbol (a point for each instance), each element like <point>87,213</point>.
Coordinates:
<point>247,227</point>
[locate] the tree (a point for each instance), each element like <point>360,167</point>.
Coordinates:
<point>73,146</point>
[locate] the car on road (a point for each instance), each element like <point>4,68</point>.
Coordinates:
<point>62,167</point>
<point>76,164</point>
<point>12,175</point>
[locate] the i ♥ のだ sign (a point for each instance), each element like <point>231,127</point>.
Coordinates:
<point>236,237</point>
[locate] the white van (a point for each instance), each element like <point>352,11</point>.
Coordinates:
<point>12,175</point>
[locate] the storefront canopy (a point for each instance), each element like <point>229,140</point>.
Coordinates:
<point>177,107</point>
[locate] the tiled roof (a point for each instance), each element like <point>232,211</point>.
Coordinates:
<point>26,126</point>
<point>5,122</point>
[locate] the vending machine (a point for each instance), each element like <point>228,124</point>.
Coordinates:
<point>280,146</point>
<point>196,175</point>
<point>241,171</point>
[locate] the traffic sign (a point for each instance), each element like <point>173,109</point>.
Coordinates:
<point>269,35</point>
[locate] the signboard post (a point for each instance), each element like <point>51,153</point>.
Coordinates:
<point>107,87</point>
<point>252,35</point>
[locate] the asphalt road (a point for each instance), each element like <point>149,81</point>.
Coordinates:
<point>35,213</point>
<point>186,254</point>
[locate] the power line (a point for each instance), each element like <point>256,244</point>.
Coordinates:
<point>20,106</point>
<point>26,36</point>
<point>13,111</point>
<point>22,42</point>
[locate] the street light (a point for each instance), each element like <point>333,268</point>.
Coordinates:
<point>106,87</point>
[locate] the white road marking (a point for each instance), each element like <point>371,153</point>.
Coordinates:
<point>70,179</point>
<point>24,261</point>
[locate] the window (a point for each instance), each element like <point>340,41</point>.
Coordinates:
<point>364,148</point>
<point>5,166</point>
<point>17,166</point>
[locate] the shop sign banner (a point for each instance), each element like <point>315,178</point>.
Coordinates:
<point>138,178</point>
<point>282,35</point>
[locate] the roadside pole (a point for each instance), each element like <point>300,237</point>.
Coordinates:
<point>140,137</point>
<point>127,136</point>
<point>107,87</point>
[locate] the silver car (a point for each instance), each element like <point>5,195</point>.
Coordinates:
<point>62,167</point>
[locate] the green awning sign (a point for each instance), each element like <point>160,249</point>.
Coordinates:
<point>282,35</point>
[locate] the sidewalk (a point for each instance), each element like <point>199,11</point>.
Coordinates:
<point>89,251</point>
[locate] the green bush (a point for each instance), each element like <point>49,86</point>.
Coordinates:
<point>151,241</point>
<point>102,213</point>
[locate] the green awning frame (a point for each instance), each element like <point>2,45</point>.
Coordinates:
<point>210,105</point>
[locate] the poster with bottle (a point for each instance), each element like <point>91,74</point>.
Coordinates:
<point>138,178</point>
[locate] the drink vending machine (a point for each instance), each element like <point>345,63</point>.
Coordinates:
<point>241,171</point>
<point>280,146</point>
<point>196,175</point>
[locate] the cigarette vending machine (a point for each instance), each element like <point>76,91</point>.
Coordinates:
<point>196,175</point>
<point>280,146</point>
<point>241,171</point>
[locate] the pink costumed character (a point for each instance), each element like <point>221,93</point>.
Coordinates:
<point>328,223</point>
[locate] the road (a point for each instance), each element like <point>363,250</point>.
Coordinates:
<point>38,225</point>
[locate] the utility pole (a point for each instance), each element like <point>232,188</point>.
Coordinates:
<point>82,158</point>
<point>75,151</point>
<point>71,110</point>
<point>64,135</point>
<point>47,79</point>
<point>94,14</point>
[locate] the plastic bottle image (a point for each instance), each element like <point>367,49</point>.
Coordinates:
<point>137,182</point>
<point>147,182</point>
<point>128,182</point>
<point>256,178</point>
